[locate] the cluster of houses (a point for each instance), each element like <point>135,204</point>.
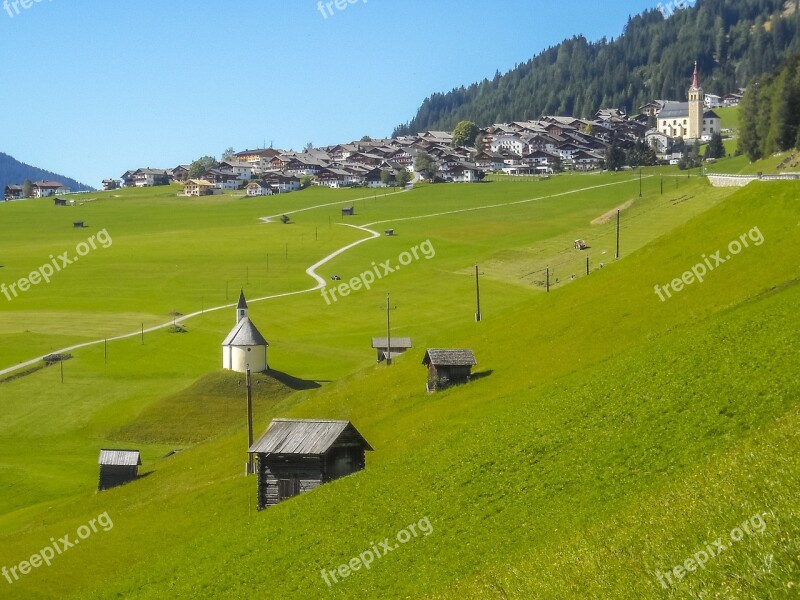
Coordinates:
<point>39,189</point>
<point>542,146</point>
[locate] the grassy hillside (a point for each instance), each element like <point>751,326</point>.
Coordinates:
<point>610,434</point>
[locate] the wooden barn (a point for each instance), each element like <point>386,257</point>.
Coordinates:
<point>399,346</point>
<point>118,467</point>
<point>298,455</point>
<point>448,367</point>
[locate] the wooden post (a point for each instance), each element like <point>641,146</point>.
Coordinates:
<point>547,279</point>
<point>618,213</point>
<point>388,332</point>
<point>287,251</point>
<point>105,351</point>
<point>587,265</point>
<point>142,334</point>
<point>640,182</point>
<point>62,368</point>
<point>662,186</point>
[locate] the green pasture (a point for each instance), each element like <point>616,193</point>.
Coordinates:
<point>607,436</point>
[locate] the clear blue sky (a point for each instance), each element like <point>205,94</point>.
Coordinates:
<point>92,88</point>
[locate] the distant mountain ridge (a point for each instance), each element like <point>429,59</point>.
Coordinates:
<point>733,41</point>
<point>14,172</point>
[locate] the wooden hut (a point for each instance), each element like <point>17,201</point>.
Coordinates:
<point>348,211</point>
<point>299,455</point>
<point>448,367</point>
<point>399,346</point>
<point>59,201</point>
<point>118,467</point>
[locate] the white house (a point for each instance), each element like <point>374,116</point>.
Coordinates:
<point>713,101</point>
<point>45,189</point>
<point>245,346</point>
<point>243,171</point>
<point>512,143</point>
<point>259,188</point>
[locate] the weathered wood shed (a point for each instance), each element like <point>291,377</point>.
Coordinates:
<point>348,211</point>
<point>448,367</point>
<point>299,455</point>
<point>399,346</point>
<point>118,467</point>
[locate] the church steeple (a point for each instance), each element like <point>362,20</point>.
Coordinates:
<point>696,79</point>
<point>241,308</point>
<point>696,110</point>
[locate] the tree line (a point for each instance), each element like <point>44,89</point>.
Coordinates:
<point>733,41</point>
<point>770,113</point>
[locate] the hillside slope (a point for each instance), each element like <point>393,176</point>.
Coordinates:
<point>14,172</point>
<point>613,436</point>
<point>732,40</point>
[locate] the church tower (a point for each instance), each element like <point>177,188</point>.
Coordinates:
<point>696,107</point>
<point>241,308</point>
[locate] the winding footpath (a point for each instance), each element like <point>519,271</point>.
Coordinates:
<point>311,271</point>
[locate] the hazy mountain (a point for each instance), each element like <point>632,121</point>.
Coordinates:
<point>14,172</point>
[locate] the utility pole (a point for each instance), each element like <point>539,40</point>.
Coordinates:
<point>249,422</point>
<point>640,182</point>
<point>389,309</point>
<point>478,293</point>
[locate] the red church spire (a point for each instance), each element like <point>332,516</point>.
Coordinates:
<point>696,78</point>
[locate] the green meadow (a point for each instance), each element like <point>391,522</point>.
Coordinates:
<point>608,435</point>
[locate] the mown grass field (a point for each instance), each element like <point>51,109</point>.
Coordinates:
<point>611,435</point>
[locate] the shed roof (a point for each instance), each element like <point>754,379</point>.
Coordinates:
<point>303,436</point>
<point>245,333</point>
<point>454,357</point>
<point>397,342</point>
<point>120,458</point>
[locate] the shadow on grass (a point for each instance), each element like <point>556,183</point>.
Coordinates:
<point>481,375</point>
<point>294,383</point>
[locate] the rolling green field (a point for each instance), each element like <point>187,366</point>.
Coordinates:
<point>609,435</point>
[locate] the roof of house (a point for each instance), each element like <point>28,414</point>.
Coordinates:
<point>120,458</point>
<point>47,184</point>
<point>397,342</point>
<point>456,357</point>
<point>245,333</point>
<point>303,436</point>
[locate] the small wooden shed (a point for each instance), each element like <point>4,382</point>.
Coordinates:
<point>118,467</point>
<point>298,455</point>
<point>448,367</point>
<point>59,202</point>
<point>348,211</point>
<point>399,346</point>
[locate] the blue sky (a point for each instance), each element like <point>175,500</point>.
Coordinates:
<point>92,88</point>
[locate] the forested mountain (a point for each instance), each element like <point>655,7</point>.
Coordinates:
<point>14,172</point>
<point>771,112</point>
<point>732,40</point>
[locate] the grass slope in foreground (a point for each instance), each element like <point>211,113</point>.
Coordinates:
<point>612,441</point>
